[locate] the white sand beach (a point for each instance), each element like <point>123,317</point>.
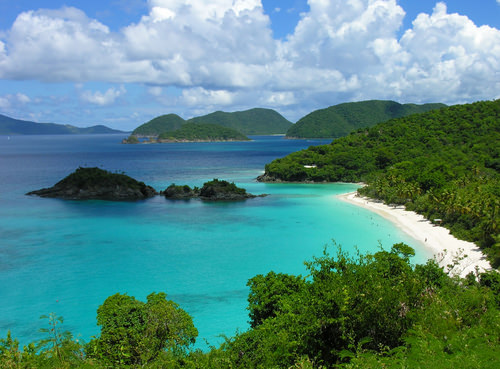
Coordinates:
<point>438,239</point>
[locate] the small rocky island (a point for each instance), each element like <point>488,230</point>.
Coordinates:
<point>97,184</point>
<point>216,190</point>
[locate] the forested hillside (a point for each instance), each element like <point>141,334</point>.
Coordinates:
<point>255,121</point>
<point>202,132</point>
<point>339,120</point>
<point>249,122</point>
<point>158,125</point>
<point>444,164</point>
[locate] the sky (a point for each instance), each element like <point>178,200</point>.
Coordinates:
<point>123,62</point>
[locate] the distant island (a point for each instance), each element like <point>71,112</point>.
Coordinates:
<point>97,184</point>
<point>255,121</point>
<point>216,190</point>
<point>11,126</point>
<point>332,122</point>
<point>158,125</point>
<point>339,120</point>
<point>191,132</point>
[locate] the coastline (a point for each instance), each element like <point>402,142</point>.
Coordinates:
<point>442,244</point>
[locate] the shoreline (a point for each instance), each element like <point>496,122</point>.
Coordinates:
<point>438,240</point>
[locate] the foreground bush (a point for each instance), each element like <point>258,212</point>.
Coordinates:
<point>368,311</point>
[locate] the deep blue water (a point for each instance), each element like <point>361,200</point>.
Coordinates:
<point>68,256</point>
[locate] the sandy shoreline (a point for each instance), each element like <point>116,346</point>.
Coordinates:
<point>437,239</point>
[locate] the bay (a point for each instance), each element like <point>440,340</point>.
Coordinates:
<point>68,256</point>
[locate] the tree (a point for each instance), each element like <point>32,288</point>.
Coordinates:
<point>266,292</point>
<point>135,333</point>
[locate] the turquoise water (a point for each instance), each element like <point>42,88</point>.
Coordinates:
<point>68,256</point>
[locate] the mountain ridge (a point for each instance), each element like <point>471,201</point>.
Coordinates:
<point>256,121</point>
<point>341,119</point>
<point>12,126</point>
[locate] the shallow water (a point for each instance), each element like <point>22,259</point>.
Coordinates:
<point>68,256</point>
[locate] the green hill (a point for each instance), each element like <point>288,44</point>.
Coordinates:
<point>443,164</point>
<point>255,121</point>
<point>163,123</point>
<point>339,120</point>
<point>11,126</point>
<point>202,132</point>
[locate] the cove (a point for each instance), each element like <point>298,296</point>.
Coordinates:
<point>68,256</point>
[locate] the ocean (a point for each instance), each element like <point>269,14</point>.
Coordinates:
<point>66,257</point>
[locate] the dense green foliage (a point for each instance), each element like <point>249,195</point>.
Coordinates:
<point>444,164</point>
<point>215,190</point>
<point>255,121</point>
<point>135,333</point>
<point>163,123</point>
<point>202,132</point>
<point>85,177</point>
<point>215,186</point>
<point>339,120</point>
<point>96,183</point>
<point>11,126</point>
<point>369,311</point>
<point>373,305</point>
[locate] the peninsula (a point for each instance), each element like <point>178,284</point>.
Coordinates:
<point>443,164</point>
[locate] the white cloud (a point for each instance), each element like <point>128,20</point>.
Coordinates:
<point>155,91</point>
<point>200,96</point>
<point>4,103</point>
<point>102,99</point>
<point>222,54</point>
<point>3,52</point>
<point>13,101</point>
<point>446,57</point>
<point>335,34</point>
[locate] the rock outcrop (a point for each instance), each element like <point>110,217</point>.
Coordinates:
<point>215,190</point>
<point>185,192</point>
<point>97,184</point>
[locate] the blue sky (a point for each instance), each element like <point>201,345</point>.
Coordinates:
<point>123,62</point>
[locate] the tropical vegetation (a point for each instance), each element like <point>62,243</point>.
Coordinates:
<point>339,120</point>
<point>202,132</point>
<point>444,164</point>
<point>96,183</point>
<point>215,190</point>
<point>365,311</point>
